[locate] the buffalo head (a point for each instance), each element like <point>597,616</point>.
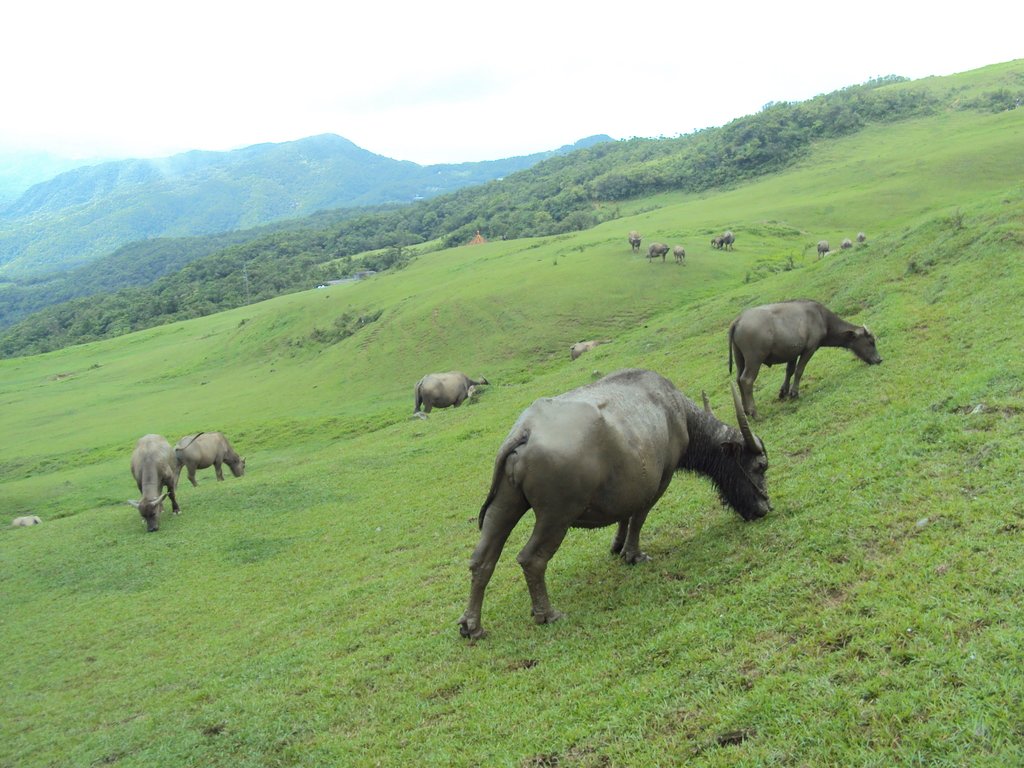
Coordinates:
<point>861,342</point>
<point>747,490</point>
<point>150,510</point>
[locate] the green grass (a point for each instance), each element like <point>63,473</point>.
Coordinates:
<point>306,613</point>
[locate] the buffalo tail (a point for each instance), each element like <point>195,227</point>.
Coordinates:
<point>511,445</point>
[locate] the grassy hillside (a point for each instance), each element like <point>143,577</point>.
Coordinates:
<point>306,613</point>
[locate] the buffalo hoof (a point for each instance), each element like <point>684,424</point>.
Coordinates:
<point>471,629</point>
<point>635,557</point>
<point>547,617</point>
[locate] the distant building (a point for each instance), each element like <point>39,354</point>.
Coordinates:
<point>355,277</point>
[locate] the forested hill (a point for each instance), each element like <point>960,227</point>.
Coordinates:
<point>559,195</point>
<point>88,212</point>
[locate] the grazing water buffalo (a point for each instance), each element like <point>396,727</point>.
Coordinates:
<point>724,240</point>
<point>634,241</point>
<point>580,347</point>
<point>601,455</point>
<point>655,250</point>
<point>207,449</point>
<point>861,237</point>
<point>790,332</point>
<point>822,247</point>
<point>680,253</point>
<point>25,520</point>
<point>441,390</point>
<point>847,243</point>
<point>154,467</point>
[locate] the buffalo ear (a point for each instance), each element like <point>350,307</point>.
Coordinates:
<point>133,503</point>
<point>732,446</point>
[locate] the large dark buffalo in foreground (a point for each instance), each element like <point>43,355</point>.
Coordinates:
<point>154,468</point>
<point>790,332</point>
<point>600,455</point>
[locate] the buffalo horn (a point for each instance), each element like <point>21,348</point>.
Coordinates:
<point>707,403</point>
<point>748,435</point>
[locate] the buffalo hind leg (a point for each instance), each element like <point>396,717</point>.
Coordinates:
<point>547,536</point>
<point>745,381</point>
<point>499,520</point>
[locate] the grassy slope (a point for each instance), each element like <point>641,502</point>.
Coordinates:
<point>305,614</point>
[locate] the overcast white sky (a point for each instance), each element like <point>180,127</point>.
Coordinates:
<point>449,81</point>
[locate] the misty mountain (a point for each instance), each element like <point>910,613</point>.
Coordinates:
<point>21,170</point>
<point>91,211</point>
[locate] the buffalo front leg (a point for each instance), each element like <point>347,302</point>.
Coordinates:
<point>547,536</point>
<point>784,392</point>
<point>498,522</point>
<point>794,391</point>
<point>218,470</point>
<point>631,552</point>
<point>174,501</point>
<point>620,537</point>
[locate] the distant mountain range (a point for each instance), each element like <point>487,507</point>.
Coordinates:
<point>20,170</point>
<point>87,212</point>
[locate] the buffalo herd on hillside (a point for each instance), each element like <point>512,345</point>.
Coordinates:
<point>598,455</point>
<point>722,242</point>
<point>824,249</point>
